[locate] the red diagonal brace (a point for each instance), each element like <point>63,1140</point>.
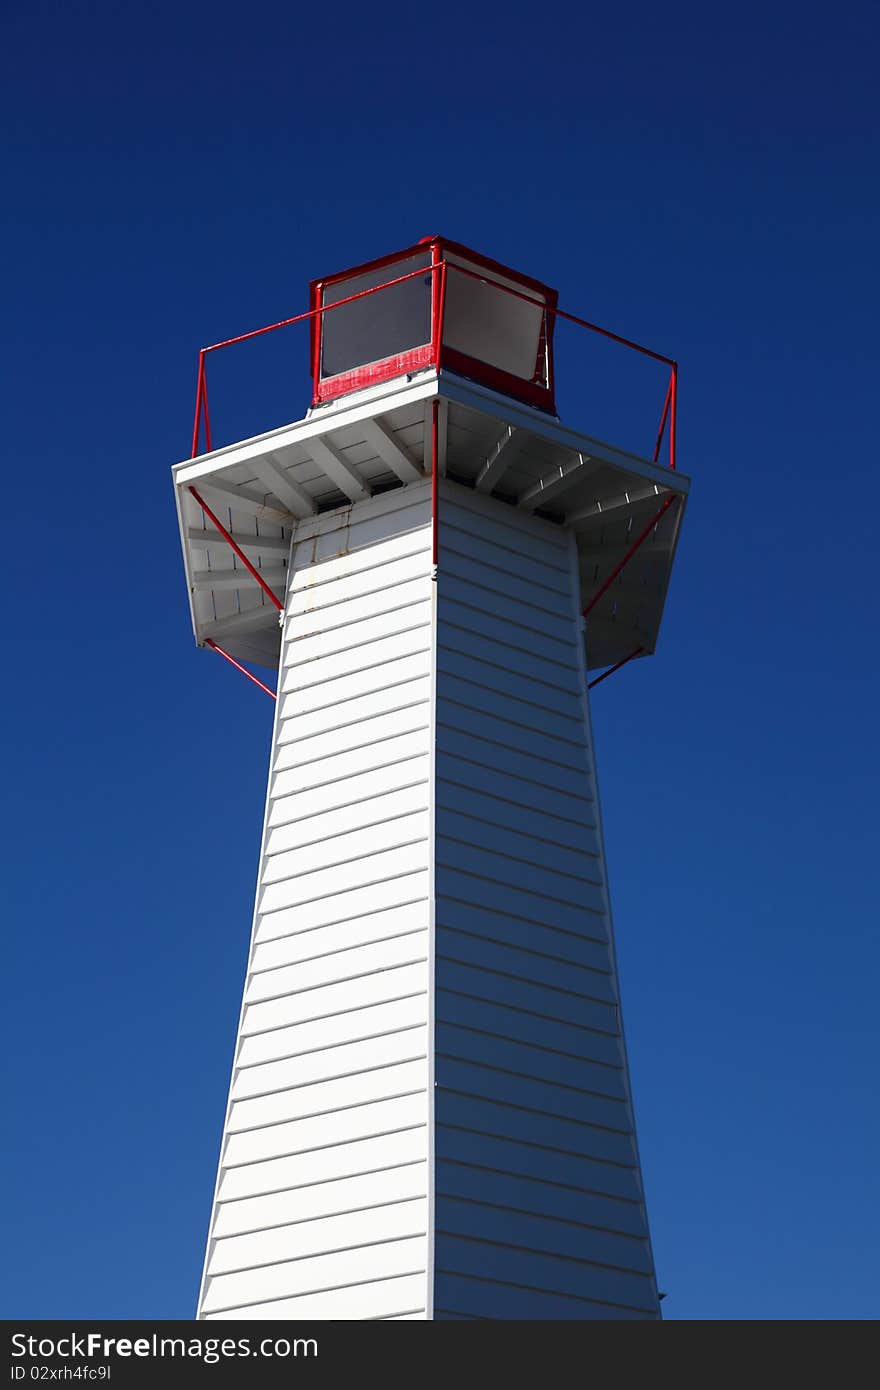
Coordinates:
<point>238,666</point>
<point>251,569</point>
<point>631,552</point>
<point>611,669</point>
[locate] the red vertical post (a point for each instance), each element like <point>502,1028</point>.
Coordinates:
<point>198,416</point>
<point>208,444</point>
<point>673,413</point>
<point>438,302</point>
<point>435,481</point>
<point>435,303</point>
<point>548,355</point>
<point>663,419</point>
<point>316,328</point>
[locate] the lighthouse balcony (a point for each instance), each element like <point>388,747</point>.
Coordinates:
<point>350,452</point>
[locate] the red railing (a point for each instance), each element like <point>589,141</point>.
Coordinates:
<point>438,271</point>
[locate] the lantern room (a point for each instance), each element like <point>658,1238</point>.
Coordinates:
<point>436,305</point>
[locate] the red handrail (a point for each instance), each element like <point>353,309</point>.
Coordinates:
<point>438,306</point>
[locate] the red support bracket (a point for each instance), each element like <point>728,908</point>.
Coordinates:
<point>238,666</point>
<point>611,669</point>
<point>640,539</point>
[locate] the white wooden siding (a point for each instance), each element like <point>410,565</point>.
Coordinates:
<point>430,1114</point>
<point>538,1201</point>
<point>322,1203</point>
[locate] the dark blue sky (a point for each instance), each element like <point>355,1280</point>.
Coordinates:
<point>704,179</point>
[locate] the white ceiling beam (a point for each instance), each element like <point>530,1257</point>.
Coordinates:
<point>218,580</point>
<point>242,500</point>
<point>210,540</point>
<point>498,460</point>
<point>288,492</point>
<point>391,451</point>
<point>557,481</point>
<point>622,502</point>
<point>338,469</point>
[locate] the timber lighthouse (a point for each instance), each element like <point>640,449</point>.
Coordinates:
<point>429,1114</point>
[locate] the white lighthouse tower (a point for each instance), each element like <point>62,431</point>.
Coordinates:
<point>429,1114</point>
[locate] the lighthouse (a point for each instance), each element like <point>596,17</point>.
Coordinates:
<point>429,1112</point>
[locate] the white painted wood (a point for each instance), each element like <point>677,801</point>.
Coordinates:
<point>406,508</point>
<point>337,966</point>
<point>340,938</point>
<point>273,476</point>
<point>343,907</point>
<point>611,505</point>
<point>219,494</point>
<point>350,713</point>
<point>326,1198</point>
<point>321,1131</point>
<point>395,1220</point>
<point>346,534</point>
<point>361,815</point>
<point>335,1030</point>
<point>431,966</point>
<point>322,700</point>
<point>274,576</point>
<point>559,480</point>
<point>406,1045</point>
<point>360,632</point>
<point>314,1167</point>
<point>367,1300</point>
<point>358,608</point>
<point>262,615</point>
<point>339,1269</point>
<point>324,1152</point>
<point>323,883</point>
<point>347,996</point>
<point>371,656</point>
<point>499,457</point>
<point>353,763</point>
<point>381,580</point>
<point>408,718</point>
<point>202,539</point>
<point>528,1057</point>
<point>336,466</point>
<point>389,448</point>
<point>327,1097</point>
<point>337,849</point>
<point>350,791</point>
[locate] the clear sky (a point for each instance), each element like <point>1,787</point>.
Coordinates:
<point>701,178</point>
